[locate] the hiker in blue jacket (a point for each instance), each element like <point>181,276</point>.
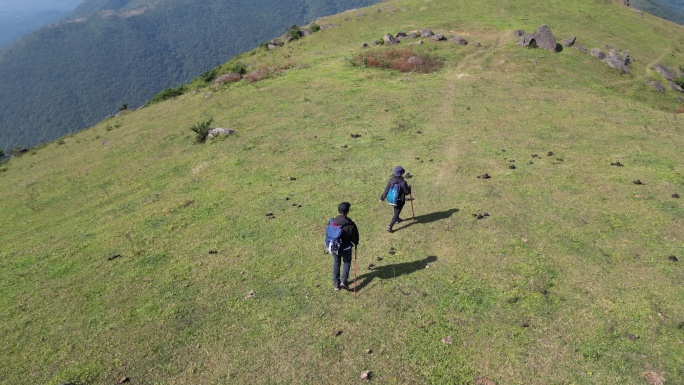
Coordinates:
<point>349,238</point>
<point>402,189</point>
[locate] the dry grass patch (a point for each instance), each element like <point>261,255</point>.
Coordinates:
<point>403,60</point>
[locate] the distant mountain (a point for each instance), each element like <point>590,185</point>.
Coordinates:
<point>18,18</point>
<point>69,76</point>
<point>672,10</point>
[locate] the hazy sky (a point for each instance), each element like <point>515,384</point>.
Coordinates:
<point>32,6</point>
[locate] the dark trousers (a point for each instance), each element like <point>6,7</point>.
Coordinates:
<point>344,258</point>
<point>397,211</point>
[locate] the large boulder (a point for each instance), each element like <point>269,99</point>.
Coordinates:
<point>665,72</point>
<point>426,32</point>
<point>676,87</point>
<point>389,39</point>
<point>619,61</point>
<point>214,132</point>
<point>598,53</point>
<point>544,38</point>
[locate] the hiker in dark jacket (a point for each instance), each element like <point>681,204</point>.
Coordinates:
<point>404,190</point>
<point>350,238</point>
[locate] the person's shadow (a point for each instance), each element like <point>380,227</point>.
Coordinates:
<point>427,218</point>
<point>392,271</point>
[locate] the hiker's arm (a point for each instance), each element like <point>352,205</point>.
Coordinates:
<point>355,236</point>
<point>384,193</point>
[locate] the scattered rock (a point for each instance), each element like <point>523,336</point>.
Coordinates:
<point>250,295</point>
<point>526,40</point>
<point>437,37</point>
<point>390,40</point>
<point>624,2</point>
<point>355,136</point>
<point>619,61</point>
<point>459,40</point>
<point>364,45</point>
<point>368,351</point>
<point>617,164</point>
<point>113,257</point>
<point>569,42</point>
<point>598,53</point>
<point>336,333</point>
<point>675,196</point>
<point>656,86</point>
<point>392,251</point>
<point>676,87</point>
<point>633,337</point>
<point>213,251</point>
<point>483,381</point>
<point>550,153</point>
<point>544,38</point>
<point>401,34</point>
<point>519,33</point>
<point>447,340</point>
<point>638,182</point>
<point>525,324</point>
<point>365,376</point>
<point>214,132</point>
<point>484,176</point>
<point>426,32</point>
<point>665,72</point>
<point>379,259</point>
<point>123,380</point>
<point>673,258</point>
<point>293,178</point>
<point>270,215</point>
<point>512,167</point>
<point>318,285</point>
<point>371,266</point>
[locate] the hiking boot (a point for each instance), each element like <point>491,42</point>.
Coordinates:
<point>344,286</point>
<point>389,230</point>
<point>337,288</point>
<point>399,220</point>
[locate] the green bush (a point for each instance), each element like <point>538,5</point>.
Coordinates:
<point>237,68</point>
<point>315,27</point>
<point>294,32</point>
<point>680,81</point>
<point>210,75</point>
<point>202,130</point>
<point>168,94</point>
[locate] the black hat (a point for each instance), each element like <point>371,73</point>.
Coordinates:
<point>343,207</point>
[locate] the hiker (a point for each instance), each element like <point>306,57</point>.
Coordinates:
<point>348,238</point>
<point>396,191</point>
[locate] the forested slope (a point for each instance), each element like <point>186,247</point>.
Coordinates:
<point>69,76</point>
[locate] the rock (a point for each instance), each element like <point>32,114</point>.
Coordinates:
<point>665,72</point>
<point>355,136</point>
<point>250,295</point>
<point>527,40</point>
<point>675,196</point>
<point>673,258</point>
<point>619,61</point>
<point>228,78</point>
<point>582,48</point>
<point>676,87</point>
<point>447,340</point>
<point>459,40</point>
<point>365,375</point>
<point>544,38</point>
<point>618,164</point>
<point>437,37</point>
<point>597,53</point>
<point>402,35</point>
<point>113,257</point>
<point>569,42</point>
<point>123,380</point>
<point>336,333</point>
<point>305,31</point>
<point>364,45</point>
<point>368,351</point>
<point>389,39</point>
<point>426,32</point>
<point>520,33</point>
<point>638,182</point>
<point>653,378</point>
<point>656,86</point>
<point>214,132</point>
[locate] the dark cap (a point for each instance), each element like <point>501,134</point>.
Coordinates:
<point>343,207</point>
<point>398,171</point>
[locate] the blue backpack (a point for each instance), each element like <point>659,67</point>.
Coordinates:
<point>333,238</point>
<point>393,194</point>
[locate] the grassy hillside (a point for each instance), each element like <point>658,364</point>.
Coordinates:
<point>71,75</point>
<point>128,251</point>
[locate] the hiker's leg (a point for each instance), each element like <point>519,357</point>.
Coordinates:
<point>336,271</point>
<point>397,211</point>
<point>346,259</point>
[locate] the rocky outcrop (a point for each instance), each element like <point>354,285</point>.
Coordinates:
<point>426,32</point>
<point>598,53</point>
<point>656,86</point>
<point>390,40</point>
<point>676,87</point>
<point>665,72</point>
<point>437,37</point>
<point>617,60</point>
<point>569,42</point>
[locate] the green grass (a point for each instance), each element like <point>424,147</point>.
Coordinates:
<point>573,249</point>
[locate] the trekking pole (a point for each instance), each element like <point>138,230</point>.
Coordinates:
<point>413,215</point>
<point>356,254</point>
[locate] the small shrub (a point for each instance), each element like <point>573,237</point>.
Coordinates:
<point>123,107</point>
<point>108,128</point>
<point>237,68</point>
<point>201,129</point>
<point>168,94</point>
<point>264,45</point>
<point>294,32</point>
<point>210,75</point>
<point>315,27</point>
<point>61,142</point>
